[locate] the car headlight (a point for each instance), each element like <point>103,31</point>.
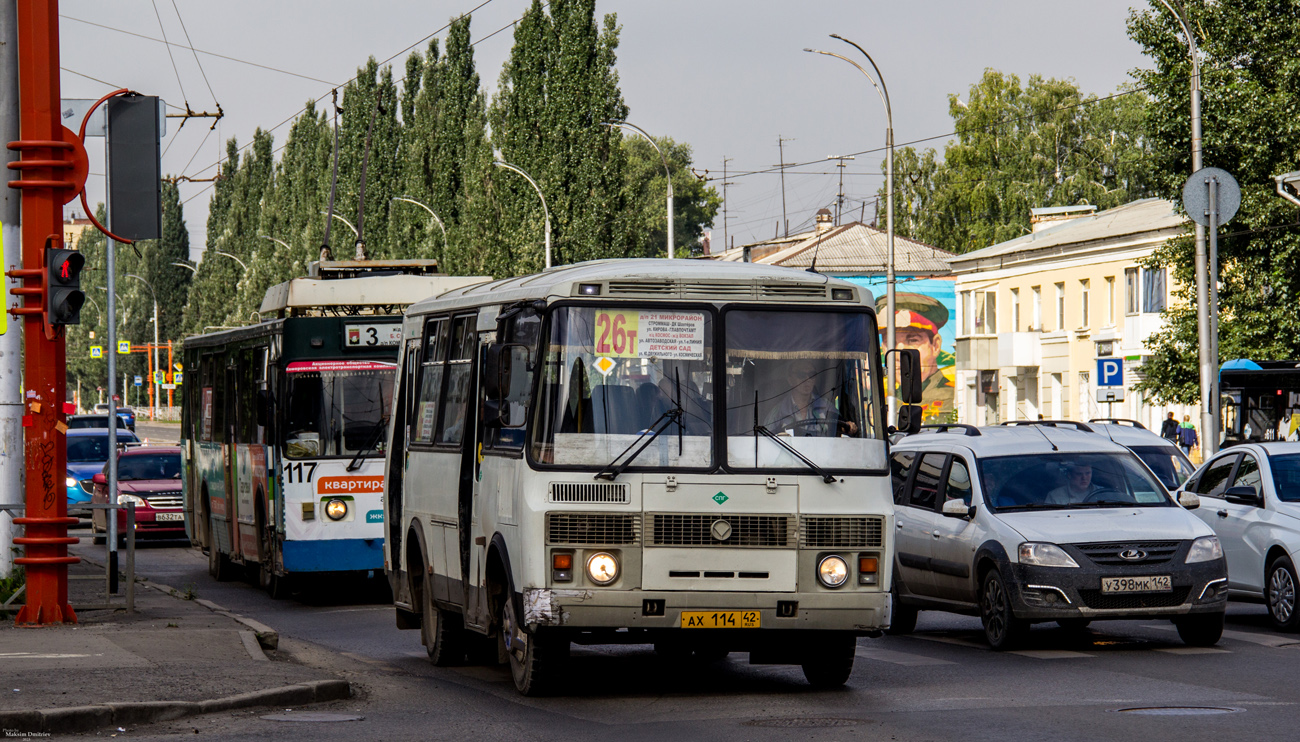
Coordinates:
<point>125,499</point>
<point>602,568</point>
<point>833,571</point>
<point>1045,555</point>
<point>1204,549</point>
<point>70,481</point>
<point>336,509</point>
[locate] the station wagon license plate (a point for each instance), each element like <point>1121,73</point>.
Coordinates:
<point>1157,584</point>
<point>169,516</point>
<point>720,619</point>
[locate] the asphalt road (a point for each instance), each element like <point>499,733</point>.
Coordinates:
<point>162,433</point>
<point>942,683</point>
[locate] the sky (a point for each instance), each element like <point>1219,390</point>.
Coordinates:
<point>727,77</point>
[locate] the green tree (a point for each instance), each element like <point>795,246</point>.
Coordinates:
<point>85,372</point>
<point>1018,148</point>
<point>1249,76</point>
<point>695,204</point>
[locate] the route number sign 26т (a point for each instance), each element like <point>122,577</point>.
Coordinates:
<point>639,334</point>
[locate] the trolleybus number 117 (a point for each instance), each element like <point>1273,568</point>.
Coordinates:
<point>290,469</point>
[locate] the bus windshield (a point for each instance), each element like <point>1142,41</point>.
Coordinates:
<point>805,376</point>
<point>609,374</point>
<point>337,408</point>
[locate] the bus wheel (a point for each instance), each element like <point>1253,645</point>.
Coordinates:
<point>443,634</point>
<point>829,663</point>
<point>535,659</point>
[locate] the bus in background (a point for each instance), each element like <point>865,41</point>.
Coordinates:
<point>1259,400</point>
<point>283,423</point>
<point>685,453</point>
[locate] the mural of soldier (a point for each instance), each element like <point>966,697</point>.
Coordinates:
<point>918,321</point>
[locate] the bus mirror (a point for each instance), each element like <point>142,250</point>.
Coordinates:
<point>909,419</point>
<point>494,415</point>
<point>909,376</point>
<point>503,361</point>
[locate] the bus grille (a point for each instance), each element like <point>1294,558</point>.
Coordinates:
<point>824,532</point>
<point>615,492</point>
<point>690,529</point>
<point>790,291</point>
<point>584,529</point>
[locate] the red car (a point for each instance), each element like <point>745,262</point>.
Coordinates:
<point>151,477</point>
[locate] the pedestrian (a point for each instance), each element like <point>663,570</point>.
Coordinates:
<point>1187,439</point>
<point>1169,428</point>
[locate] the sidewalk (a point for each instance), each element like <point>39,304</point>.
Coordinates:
<point>172,658</point>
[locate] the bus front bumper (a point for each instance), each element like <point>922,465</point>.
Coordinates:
<point>860,611</point>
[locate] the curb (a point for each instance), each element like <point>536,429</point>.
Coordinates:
<point>89,718</point>
<point>268,637</point>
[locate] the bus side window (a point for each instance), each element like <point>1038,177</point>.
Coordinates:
<point>431,373</point>
<point>525,331</point>
<point>459,364</point>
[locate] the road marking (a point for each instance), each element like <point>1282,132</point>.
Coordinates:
<point>942,639</point>
<point>1192,650</point>
<point>36,656</point>
<point>1051,654</point>
<point>1264,640</point>
<point>899,658</point>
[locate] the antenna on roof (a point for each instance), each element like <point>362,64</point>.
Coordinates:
<point>813,268</point>
<point>1039,428</point>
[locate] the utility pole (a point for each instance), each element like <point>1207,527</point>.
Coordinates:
<point>11,338</point>
<point>725,183</point>
<point>839,197</point>
<point>780,147</point>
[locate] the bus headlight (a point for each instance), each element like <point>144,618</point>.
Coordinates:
<point>602,568</point>
<point>336,509</point>
<point>833,571</point>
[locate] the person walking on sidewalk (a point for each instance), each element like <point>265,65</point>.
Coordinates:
<point>1169,428</point>
<point>1187,439</point>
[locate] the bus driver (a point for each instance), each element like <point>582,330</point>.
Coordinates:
<point>805,410</point>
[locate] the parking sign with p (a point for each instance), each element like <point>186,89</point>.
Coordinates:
<point>1110,372</point>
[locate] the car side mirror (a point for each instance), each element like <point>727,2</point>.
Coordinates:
<point>958,509</point>
<point>1243,496</point>
<point>909,419</point>
<point>99,478</point>
<point>909,375</point>
<point>1189,500</point>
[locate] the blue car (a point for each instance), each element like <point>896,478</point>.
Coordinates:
<point>87,454</point>
<point>126,413</point>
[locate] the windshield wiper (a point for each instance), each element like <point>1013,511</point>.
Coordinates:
<point>611,470</point>
<point>762,430</point>
<point>355,463</point>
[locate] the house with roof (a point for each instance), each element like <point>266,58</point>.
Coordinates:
<point>1055,323</point>
<point>925,298</point>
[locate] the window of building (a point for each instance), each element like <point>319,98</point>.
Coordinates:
<point>1130,291</point>
<point>966,313</point>
<point>1038,308</point>
<point>1110,301</point>
<point>1060,306</point>
<point>1153,291</point>
<point>986,312</point>
<point>1083,302</point>
<point>1015,310</point>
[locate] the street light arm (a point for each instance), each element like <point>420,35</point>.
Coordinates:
<point>889,111</point>
<point>545,209</point>
<point>424,206</point>
<point>668,173</point>
<point>883,98</point>
<point>232,257</point>
<point>281,243</point>
<point>355,233</point>
<point>147,285</point>
<point>193,269</point>
<point>1191,40</point>
<point>1287,186</point>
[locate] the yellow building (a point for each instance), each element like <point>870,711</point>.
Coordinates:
<point>72,229</point>
<point>1041,316</point>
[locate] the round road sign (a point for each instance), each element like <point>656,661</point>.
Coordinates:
<point>1196,195</point>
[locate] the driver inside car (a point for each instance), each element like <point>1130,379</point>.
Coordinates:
<point>1077,488</point>
<point>807,410</point>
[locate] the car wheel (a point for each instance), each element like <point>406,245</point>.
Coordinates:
<point>535,659</point>
<point>1001,627</point>
<point>903,617</point>
<point>1200,630</point>
<point>1280,590</point>
<point>830,664</point>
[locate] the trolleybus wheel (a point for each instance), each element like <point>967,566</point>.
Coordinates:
<point>829,663</point>
<point>219,565</point>
<point>535,659</point>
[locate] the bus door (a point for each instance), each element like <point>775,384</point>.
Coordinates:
<point>460,425</point>
<point>229,458</point>
<point>404,409</point>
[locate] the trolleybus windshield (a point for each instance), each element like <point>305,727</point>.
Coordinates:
<point>336,408</point>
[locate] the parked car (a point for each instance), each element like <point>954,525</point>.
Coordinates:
<point>150,477</point>
<point>94,421</point>
<point>126,413</point>
<point>1250,496</point>
<point>1165,459</point>
<point>1030,524</point>
<point>87,450</point>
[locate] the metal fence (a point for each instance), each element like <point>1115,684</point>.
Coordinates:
<point>110,578</point>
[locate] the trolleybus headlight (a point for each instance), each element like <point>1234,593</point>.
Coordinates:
<point>602,568</point>
<point>336,509</point>
<point>832,571</point>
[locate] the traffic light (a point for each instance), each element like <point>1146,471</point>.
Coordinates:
<point>63,294</point>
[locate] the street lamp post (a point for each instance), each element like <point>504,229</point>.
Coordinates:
<point>191,268</point>
<point>281,243</point>
<point>667,174</point>
<point>545,210</point>
<point>1207,323</point>
<point>883,90</point>
<point>153,352</point>
<point>242,264</point>
<point>355,233</point>
<point>425,206</point>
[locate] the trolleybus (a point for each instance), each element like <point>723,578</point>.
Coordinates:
<point>284,423</point>
<point>685,453</point>
<point>1259,400</point>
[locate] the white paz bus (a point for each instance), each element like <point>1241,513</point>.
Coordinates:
<point>684,453</point>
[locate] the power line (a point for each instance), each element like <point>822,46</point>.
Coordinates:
<point>115,86</point>
<point>186,31</point>
<point>157,15</point>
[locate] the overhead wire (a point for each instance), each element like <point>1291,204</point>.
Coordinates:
<point>115,86</point>
<point>175,69</point>
<point>186,31</point>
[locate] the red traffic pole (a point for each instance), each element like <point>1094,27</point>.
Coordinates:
<point>46,176</point>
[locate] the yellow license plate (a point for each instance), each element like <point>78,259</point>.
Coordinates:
<point>720,620</point>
